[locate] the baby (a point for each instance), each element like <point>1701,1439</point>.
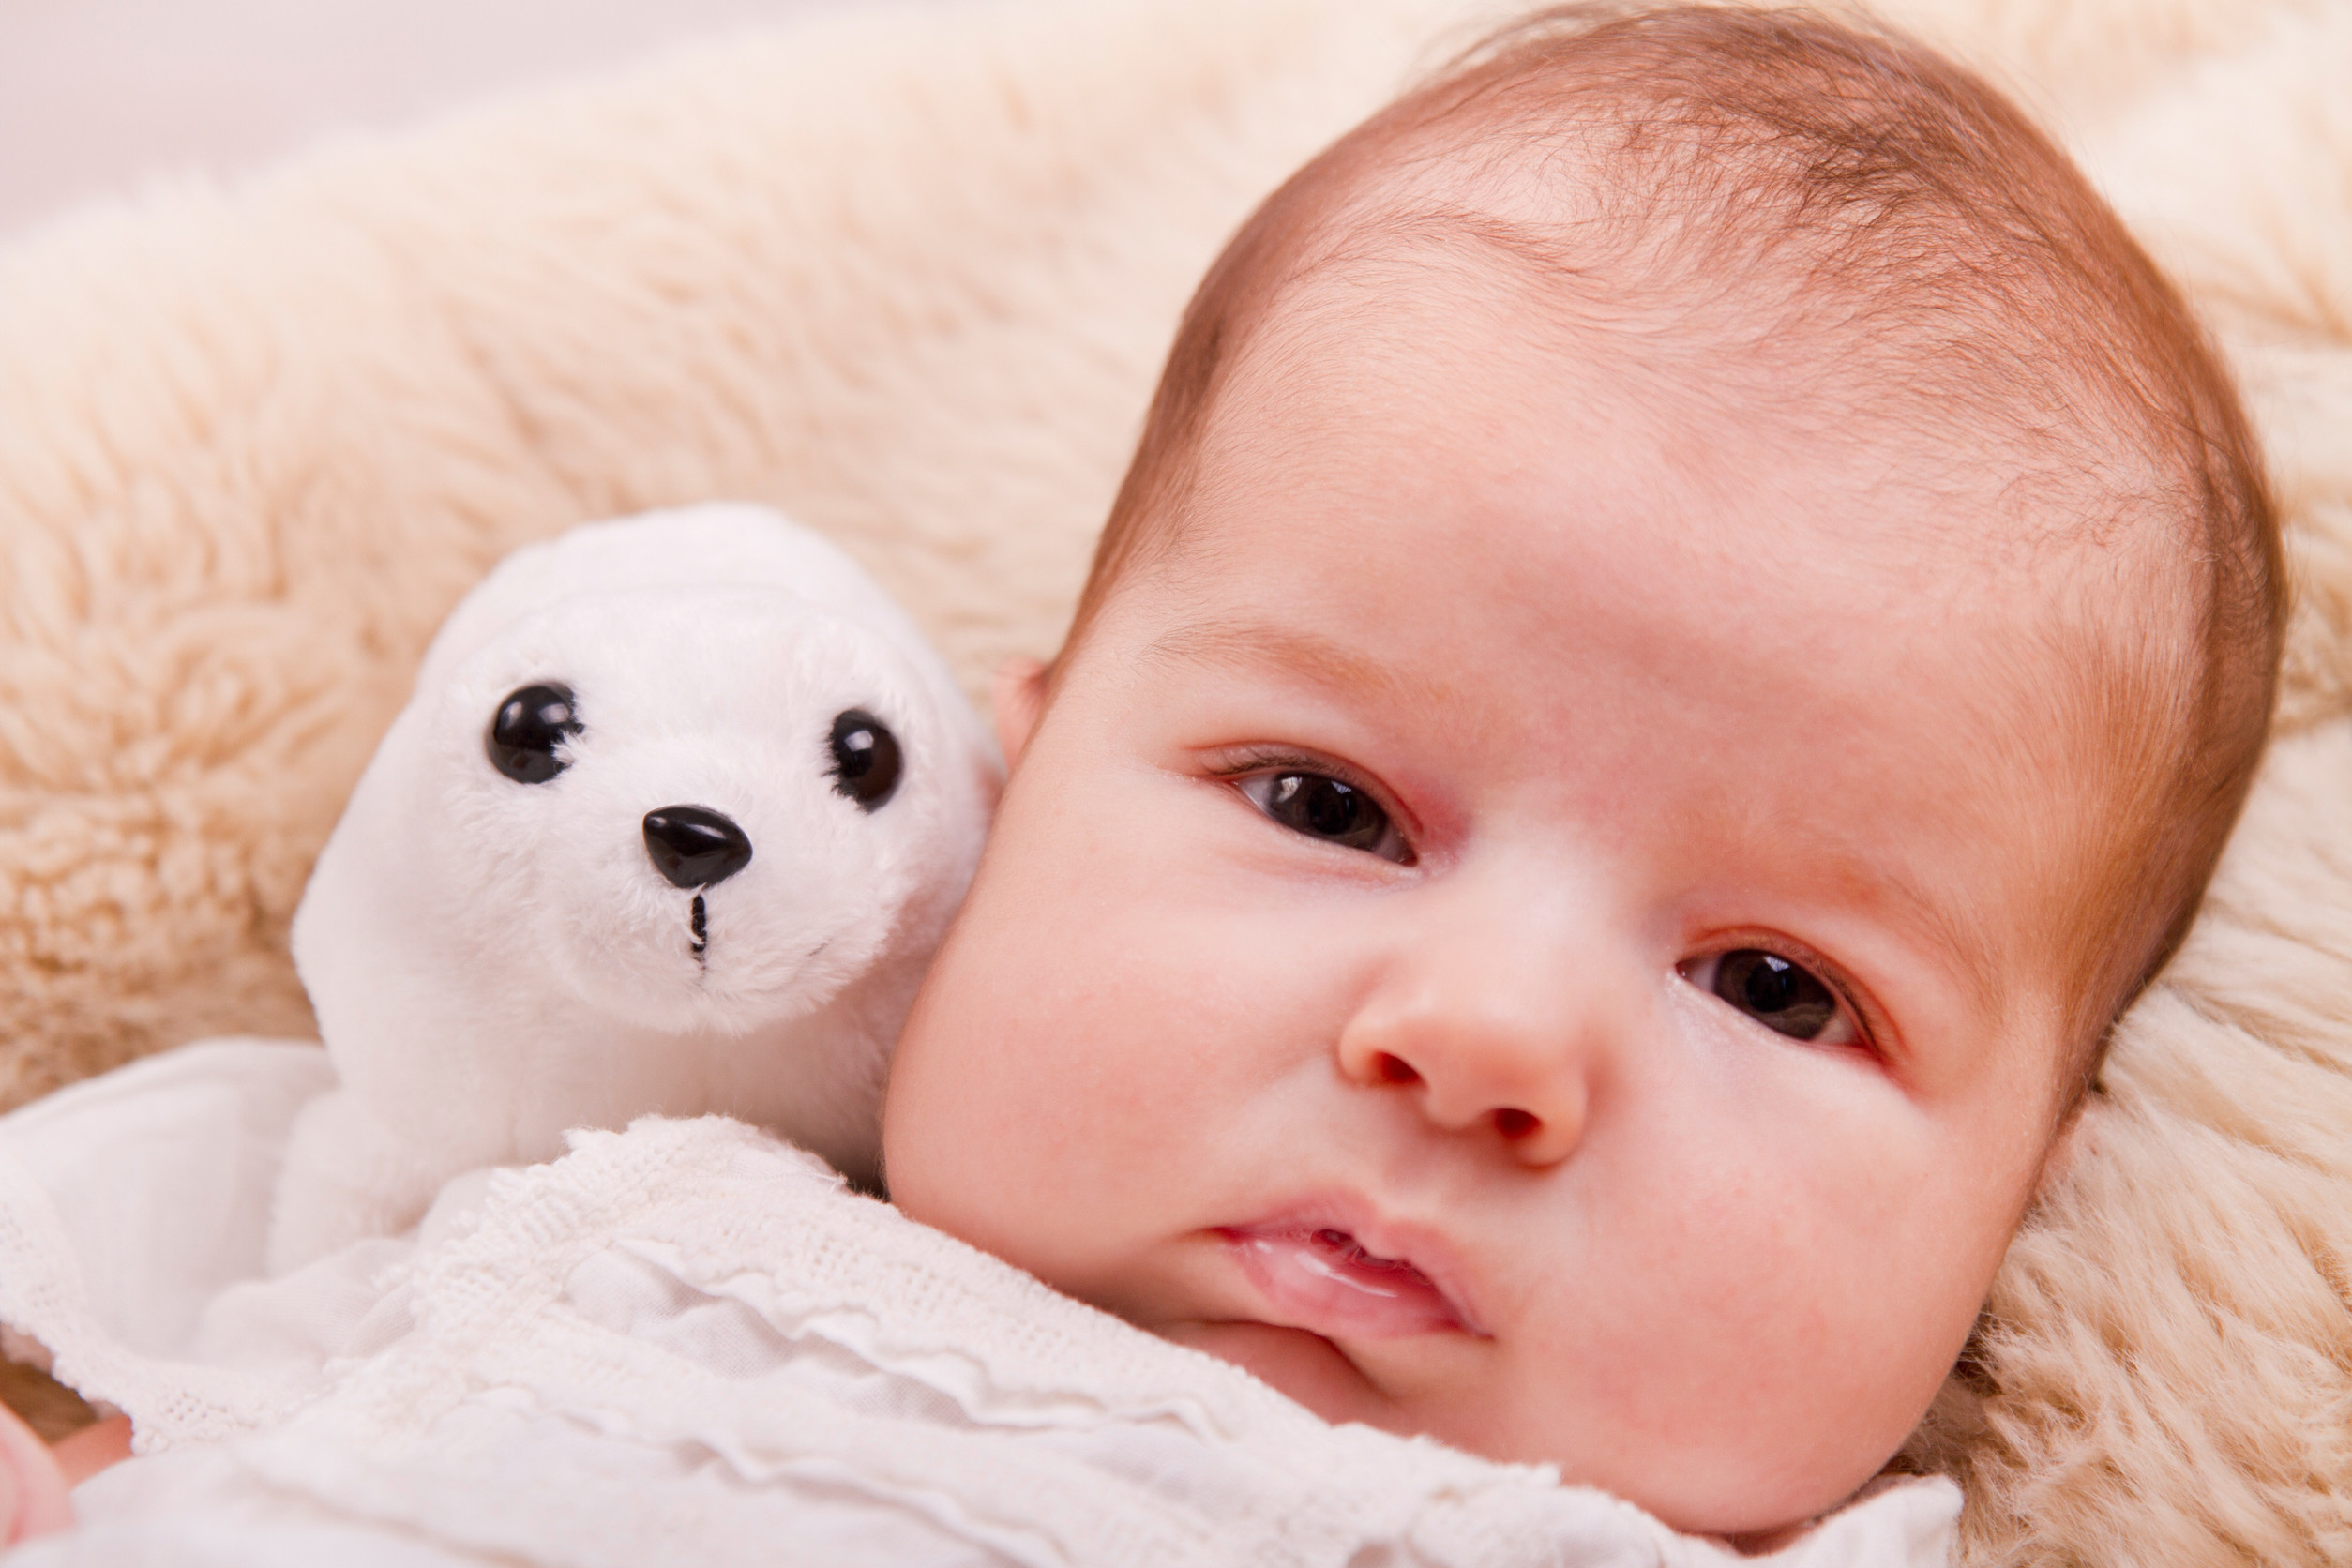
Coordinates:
<point>1687,627</point>
<point>1688,624</point>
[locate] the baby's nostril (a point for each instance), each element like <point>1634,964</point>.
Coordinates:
<point>1515,1124</point>
<point>694,846</point>
<point>1396,1070</point>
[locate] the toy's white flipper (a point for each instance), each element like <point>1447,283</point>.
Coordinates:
<point>347,1177</point>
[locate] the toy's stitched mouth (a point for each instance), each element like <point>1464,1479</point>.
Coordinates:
<point>700,922</point>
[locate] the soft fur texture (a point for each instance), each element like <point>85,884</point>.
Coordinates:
<point>494,961</point>
<point>909,274</point>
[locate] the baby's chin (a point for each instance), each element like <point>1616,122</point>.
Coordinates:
<point>1316,1373</point>
<point>1303,1365</point>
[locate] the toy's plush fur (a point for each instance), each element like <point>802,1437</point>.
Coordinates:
<point>911,277</point>
<point>493,960</point>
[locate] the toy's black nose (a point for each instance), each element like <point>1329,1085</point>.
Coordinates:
<point>694,846</point>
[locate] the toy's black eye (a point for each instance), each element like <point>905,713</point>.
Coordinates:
<point>1328,808</point>
<point>526,730</point>
<point>1782,996</point>
<point>865,760</point>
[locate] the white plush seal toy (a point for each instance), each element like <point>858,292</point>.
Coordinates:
<point>677,813</point>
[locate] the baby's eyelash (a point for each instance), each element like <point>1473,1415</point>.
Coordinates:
<point>1249,759</point>
<point>1241,762</point>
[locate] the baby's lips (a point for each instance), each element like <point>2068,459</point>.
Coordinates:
<point>1322,1279</point>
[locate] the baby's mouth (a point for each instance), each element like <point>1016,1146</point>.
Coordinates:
<point>1324,1281</point>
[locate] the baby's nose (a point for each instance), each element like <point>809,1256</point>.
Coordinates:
<point>694,846</point>
<point>1466,1073</point>
<point>1506,1009</point>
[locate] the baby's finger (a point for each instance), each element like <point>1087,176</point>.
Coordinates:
<point>33,1492</point>
<point>93,1448</point>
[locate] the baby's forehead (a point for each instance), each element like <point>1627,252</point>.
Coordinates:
<point>1436,336</point>
<point>1821,478</point>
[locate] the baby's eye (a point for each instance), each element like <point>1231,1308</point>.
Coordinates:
<point>1328,808</point>
<point>1784,997</point>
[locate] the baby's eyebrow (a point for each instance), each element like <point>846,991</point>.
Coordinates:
<point>1947,926</point>
<point>1253,646</point>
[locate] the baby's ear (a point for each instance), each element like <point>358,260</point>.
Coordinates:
<point>1019,698</point>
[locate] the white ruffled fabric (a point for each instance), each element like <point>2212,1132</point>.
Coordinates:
<point>687,1343</point>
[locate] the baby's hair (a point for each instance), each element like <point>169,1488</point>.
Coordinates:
<point>1705,185</point>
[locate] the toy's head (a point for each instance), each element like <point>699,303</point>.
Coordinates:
<point>691,775</point>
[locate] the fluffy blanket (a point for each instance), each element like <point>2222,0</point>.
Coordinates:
<point>909,275</point>
<point>690,1343</point>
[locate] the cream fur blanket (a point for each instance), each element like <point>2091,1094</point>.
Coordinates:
<point>909,275</point>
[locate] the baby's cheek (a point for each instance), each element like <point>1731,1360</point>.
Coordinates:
<point>1760,1310</point>
<point>982,1109</point>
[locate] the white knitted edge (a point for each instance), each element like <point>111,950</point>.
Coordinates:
<point>44,1300</point>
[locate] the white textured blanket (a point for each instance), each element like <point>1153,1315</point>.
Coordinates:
<point>685,1343</point>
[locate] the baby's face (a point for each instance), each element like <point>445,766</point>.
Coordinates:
<point>1531,926</point>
